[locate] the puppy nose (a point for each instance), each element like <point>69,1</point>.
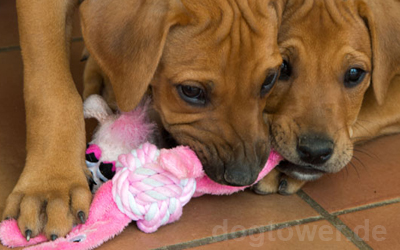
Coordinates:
<point>314,150</point>
<point>239,175</point>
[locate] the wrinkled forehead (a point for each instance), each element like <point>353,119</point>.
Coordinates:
<point>321,26</point>
<point>225,33</point>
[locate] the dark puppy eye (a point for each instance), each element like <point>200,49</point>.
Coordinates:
<point>192,95</point>
<point>286,71</point>
<point>106,170</point>
<point>353,77</point>
<point>269,83</point>
<point>91,157</point>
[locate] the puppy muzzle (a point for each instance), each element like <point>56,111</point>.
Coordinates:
<point>237,173</point>
<point>240,175</point>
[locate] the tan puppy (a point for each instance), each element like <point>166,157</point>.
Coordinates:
<point>340,84</point>
<point>211,65</point>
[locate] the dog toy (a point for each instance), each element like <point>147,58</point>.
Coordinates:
<point>133,180</point>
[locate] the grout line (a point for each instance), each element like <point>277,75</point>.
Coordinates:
<point>368,206</point>
<point>77,39</point>
<point>335,221</point>
<point>239,234</point>
<point>324,215</point>
<point>10,48</point>
<point>17,47</point>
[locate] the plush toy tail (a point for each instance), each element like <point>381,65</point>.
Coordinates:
<point>104,222</point>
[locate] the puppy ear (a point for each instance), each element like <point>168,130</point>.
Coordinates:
<point>383,21</point>
<point>126,38</point>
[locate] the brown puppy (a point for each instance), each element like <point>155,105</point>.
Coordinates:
<point>340,84</point>
<point>207,68</point>
<point>211,65</point>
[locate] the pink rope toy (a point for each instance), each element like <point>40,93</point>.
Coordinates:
<point>148,185</point>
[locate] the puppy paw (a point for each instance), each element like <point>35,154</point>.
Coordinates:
<point>49,204</point>
<point>268,185</point>
<point>276,182</point>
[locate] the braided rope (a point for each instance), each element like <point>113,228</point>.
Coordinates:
<point>146,192</point>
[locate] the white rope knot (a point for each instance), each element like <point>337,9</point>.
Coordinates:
<point>152,186</point>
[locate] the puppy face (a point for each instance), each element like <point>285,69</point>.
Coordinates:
<point>327,63</point>
<point>212,84</point>
<point>210,64</point>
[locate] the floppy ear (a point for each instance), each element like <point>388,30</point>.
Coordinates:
<point>126,38</point>
<point>383,21</point>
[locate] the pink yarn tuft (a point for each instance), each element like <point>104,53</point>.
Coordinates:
<point>132,127</point>
<point>147,191</point>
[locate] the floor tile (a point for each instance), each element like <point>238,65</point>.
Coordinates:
<point>379,227</point>
<point>316,235</point>
<point>373,178</point>
<point>6,248</point>
<point>9,24</point>
<point>215,215</point>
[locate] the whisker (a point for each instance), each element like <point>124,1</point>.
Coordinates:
<point>363,127</point>
<point>361,120</point>
<point>360,139</point>
<point>362,164</point>
<point>354,167</point>
<point>370,154</point>
<point>347,172</point>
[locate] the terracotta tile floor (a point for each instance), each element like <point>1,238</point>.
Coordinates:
<point>327,214</point>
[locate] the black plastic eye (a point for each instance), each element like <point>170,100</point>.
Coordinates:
<point>268,83</point>
<point>192,95</point>
<point>106,170</point>
<point>353,77</point>
<point>91,157</point>
<point>286,71</point>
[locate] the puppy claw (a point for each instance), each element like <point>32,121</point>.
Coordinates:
<point>53,237</point>
<point>91,181</point>
<point>282,185</point>
<point>81,216</point>
<point>28,234</point>
<point>84,57</point>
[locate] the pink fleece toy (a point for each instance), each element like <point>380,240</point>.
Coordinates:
<point>148,185</point>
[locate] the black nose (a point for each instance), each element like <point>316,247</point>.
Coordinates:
<point>314,150</point>
<point>240,175</point>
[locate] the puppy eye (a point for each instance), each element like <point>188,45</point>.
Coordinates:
<point>269,83</point>
<point>192,95</point>
<point>353,77</point>
<point>91,157</point>
<point>286,71</point>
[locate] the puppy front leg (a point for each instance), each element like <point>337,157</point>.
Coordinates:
<point>52,193</point>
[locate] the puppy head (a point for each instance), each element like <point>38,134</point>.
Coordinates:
<point>327,48</point>
<point>211,66</point>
